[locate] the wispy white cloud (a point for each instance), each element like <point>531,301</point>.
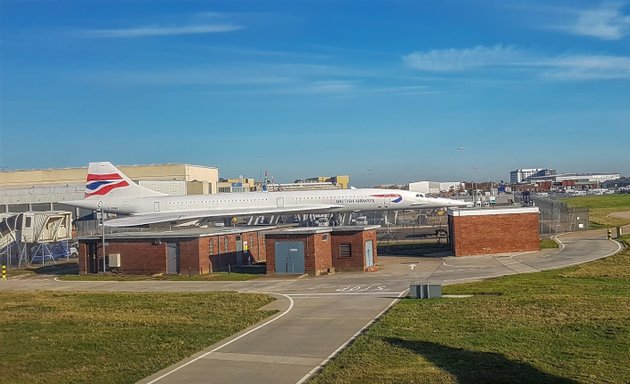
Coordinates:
<point>288,79</point>
<point>347,50</point>
<point>588,68</point>
<point>336,88</point>
<point>321,87</point>
<point>302,69</point>
<point>272,54</point>
<point>560,67</point>
<point>211,15</point>
<point>605,22</point>
<point>330,86</point>
<point>149,31</point>
<point>404,90</point>
<point>317,75</point>
<point>450,60</point>
<point>187,77</point>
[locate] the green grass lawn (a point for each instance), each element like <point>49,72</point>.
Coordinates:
<point>217,276</point>
<point>548,243</point>
<point>600,206</point>
<point>60,337</point>
<point>69,271</point>
<point>563,326</point>
<point>13,272</point>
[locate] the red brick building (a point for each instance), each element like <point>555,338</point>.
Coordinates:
<point>483,231</point>
<point>321,250</point>
<point>194,251</point>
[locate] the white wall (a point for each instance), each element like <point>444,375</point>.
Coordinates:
<point>432,187</point>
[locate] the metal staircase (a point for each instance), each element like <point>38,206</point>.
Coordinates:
<point>39,232</point>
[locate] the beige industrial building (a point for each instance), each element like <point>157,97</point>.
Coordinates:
<point>312,184</point>
<point>242,184</point>
<point>342,181</point>
<point>46,189</point>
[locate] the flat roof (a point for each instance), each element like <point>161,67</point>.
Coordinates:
<point>316,230</point>
<point>85,167</point>
<point>178,233</point>
<point>28,178</point>
<point>222,231</point>
<point>346,228</point>
<point>490,211</point>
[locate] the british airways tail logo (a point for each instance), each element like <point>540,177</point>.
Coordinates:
<point>395,198</point>
<point>102,184</point>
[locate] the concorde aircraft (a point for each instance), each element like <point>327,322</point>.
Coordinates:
<point>109,190</point>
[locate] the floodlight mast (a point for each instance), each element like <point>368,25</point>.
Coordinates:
<point>103,235</point>
<point>261,157</point>
<point>475,188</point>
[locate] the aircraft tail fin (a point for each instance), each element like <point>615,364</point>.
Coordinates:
<point>105,180</point>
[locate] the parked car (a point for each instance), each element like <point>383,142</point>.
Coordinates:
<point>74,249</point>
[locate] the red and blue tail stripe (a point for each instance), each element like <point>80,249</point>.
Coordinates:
<point>102,184</point>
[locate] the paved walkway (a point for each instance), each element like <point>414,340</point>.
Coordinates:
<point>625,215</point>
<point>320,315</point>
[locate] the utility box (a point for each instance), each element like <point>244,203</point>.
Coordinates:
<point>113,260</point>
<point>425,291</point>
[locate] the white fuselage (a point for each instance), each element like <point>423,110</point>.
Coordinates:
<point>346,200</point>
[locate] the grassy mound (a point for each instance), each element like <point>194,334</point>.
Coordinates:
<point>55,337</point>
<point>601,206</point>
<point>563,326</point>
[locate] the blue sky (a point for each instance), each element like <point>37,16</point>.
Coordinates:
<point>385,91</point>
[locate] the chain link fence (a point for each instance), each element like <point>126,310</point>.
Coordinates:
<point>556,216</point>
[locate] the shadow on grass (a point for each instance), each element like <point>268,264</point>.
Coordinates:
<point>60,268</point>
<point>478,367</point>
<point>414,249</point>
<point>254,269</point>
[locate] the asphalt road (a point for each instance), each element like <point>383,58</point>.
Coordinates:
<point>320,315</point>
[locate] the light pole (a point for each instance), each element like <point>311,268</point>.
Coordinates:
<point>261,157</point>
<point>475,188</point>
<point>103,239</point>
<point>459,150</point>
<point>369,175</point>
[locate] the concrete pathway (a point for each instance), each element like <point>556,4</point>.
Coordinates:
<point>320,315</point>
<point>624,215</point>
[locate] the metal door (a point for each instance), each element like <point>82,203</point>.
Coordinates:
<point>280,201</point>
<point>172,258</point>
<point>92,256</point>
<point>156,206</point>
<point>239,250</point>
<point>289,257</point>
<point>369,253</point>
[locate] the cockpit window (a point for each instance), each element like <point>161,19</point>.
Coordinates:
<point>420,195</point>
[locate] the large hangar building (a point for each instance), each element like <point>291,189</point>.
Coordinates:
<point>47,189</point>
